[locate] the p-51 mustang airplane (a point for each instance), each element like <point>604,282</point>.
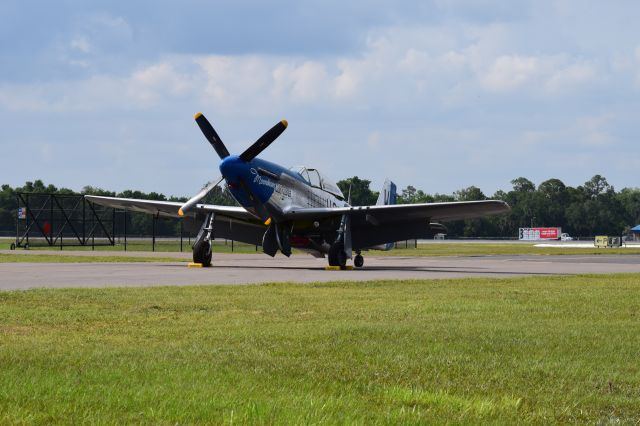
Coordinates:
<point>298,208</point>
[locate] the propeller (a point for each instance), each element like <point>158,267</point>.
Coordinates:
<point>211,135</point>
<point>199,196</point>
<point>249,154</point>
<point>264,141</point>
<point>259,207</point>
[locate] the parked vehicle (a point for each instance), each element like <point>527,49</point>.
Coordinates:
<point>566,237</point>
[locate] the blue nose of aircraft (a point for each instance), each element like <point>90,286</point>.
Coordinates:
<point>244,180</point>
<point>233,168</point>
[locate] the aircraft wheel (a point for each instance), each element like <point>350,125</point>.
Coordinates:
<point>337,256</point>
<point>202,253</point>
<point>13,246</point>
<point>358,261</point>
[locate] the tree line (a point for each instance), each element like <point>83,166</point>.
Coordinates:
<point>590,209</point>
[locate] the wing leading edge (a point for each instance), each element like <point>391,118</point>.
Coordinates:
<point>168,208</point>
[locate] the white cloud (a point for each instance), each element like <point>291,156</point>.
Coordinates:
<point>441,101</point>
<point>594,130</point>
<point>347,81</point>
<point>82,44</point>
<point>511,72</point>
<point>150,85</point>
<point>554,74</point>
<point>399,68</point>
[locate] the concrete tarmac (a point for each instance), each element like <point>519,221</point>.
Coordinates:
<point>259,268</point>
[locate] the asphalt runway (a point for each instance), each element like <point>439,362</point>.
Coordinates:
<point>259,268</point>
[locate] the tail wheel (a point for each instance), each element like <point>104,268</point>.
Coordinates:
<point>358,261</point>
<point>337,256</point>
<point>202,253</point>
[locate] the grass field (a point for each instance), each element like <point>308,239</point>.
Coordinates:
<point>471,249</point>
<point>470,351</point>
<point>70,258</point>
<point>432,249</point>
<point>142,245</point>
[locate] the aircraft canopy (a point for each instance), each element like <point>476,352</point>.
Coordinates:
<point>318,180</point>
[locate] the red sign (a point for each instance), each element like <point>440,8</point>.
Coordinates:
<point>533,234</point>
<point>46,228</point>
<point>549,234</point>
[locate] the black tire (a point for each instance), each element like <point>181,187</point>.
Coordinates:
<point>202,253</point>
<point>358,261</point>
<point>337,256</point>
<point>13,246</point>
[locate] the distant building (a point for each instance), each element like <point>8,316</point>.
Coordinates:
<point>635,231</point>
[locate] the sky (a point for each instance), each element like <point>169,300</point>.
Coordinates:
<point>438,94</point>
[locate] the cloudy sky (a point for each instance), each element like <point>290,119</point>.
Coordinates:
<point>439,94</point>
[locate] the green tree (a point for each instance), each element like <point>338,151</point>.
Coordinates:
<point>91,190</point>
<point>595,209</point>
<point>553,200</point>
<point>522,184</point>
<point>629,199</point>
<point>361,194</point>
<point>471,193</point>
<point>596,186</point>
<point>411,195</point>
<point>8,207</point>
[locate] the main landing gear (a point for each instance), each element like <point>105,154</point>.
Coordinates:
<point>202,246</point>
<point>338,257</point>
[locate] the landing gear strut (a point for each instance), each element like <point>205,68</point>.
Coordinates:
<point>202,245</point>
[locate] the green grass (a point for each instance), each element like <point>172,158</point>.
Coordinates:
<point>472,351</point>
<point>488,249</point>
<point>430,249</point>
<point>139,245</point>
<point>64,258</point>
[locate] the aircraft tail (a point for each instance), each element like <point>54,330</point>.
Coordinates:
<point>388,194</point>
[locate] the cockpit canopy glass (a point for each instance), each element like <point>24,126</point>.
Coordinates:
<point>318,180</point>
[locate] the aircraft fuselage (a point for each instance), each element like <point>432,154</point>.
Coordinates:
<point>266,190</point>
<point>277,188</point>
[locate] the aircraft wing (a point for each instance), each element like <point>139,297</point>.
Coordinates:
<point>406,212</point>
<point>169,208</point>
<point>381,224</point>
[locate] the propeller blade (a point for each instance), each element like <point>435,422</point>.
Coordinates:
<point>260,208</point>
<point>199,196</point>
<point>211,135</point>
<point>264,141</point>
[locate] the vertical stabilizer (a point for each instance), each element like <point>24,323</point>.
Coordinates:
<point>387,197</point>
<point>388,194</point>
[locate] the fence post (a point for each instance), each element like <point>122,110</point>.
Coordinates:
<point>153,237</point>
<point>51,220</point>
<point>84,225</point>
<point>125,230</point>
<point>27,206</point>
